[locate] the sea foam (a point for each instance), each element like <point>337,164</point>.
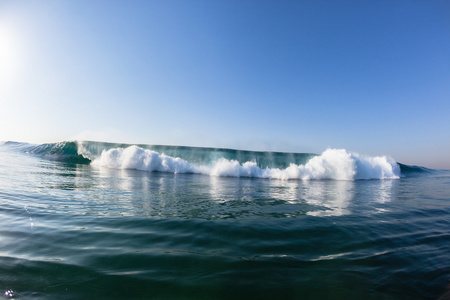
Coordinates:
<point>137,158</point>
<point>336,164</point>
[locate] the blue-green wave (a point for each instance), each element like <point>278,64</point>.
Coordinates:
<point>63,151</point>
<point>407,169</point>
<point>85,152</point>
<point>331,164</point>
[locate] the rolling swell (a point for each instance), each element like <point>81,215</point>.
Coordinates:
<point>335,164</point>
<point>63,151</point>
<point>406,169</point>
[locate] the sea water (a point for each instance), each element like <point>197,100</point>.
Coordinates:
<point>88,220</point>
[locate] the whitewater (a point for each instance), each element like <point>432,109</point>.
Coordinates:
<point>333,164</point>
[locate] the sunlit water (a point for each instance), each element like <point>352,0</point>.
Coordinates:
<point>72,231</point>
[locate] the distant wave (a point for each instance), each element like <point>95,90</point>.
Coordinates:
<point>334,164</point>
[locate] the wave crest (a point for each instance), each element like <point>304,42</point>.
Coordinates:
<point>337,164</point>
<point>137,158</point>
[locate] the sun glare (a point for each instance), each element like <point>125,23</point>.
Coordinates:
<point>10,55</point>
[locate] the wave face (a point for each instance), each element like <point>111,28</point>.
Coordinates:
<point>417,170</point>
<point>63,151</point>
<point>333,164</point>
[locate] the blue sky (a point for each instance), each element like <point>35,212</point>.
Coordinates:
<point>369,76</point>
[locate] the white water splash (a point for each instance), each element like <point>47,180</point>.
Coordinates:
<point>336,164</point>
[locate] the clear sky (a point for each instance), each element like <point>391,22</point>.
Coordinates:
<point>369,76</point>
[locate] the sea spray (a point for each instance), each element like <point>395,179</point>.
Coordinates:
<point>336,164</point>
<point>137,158</point>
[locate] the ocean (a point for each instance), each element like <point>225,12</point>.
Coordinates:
<point>92,220</point>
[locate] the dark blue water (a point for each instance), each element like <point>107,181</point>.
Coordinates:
<point>76,231</point>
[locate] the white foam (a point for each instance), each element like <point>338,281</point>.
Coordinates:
<point>138,158</point>
<point>337,164</point>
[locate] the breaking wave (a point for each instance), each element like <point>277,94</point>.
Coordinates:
<point>332,164</point>
<point>335,164</point>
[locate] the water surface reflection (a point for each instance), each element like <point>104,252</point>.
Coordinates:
<point>131,192</point>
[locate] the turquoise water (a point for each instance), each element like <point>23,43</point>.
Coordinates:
<point>74,226</point>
